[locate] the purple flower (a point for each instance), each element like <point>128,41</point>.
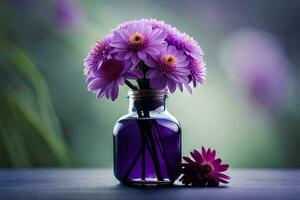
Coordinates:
<point>154,23</point>
<point>189,46</point>
<point>263,72</point>
<point>181,40</point>
<point>105,80</point>
<point>167,59</point>
<point>203,169</point>
<point>66,12</point>
<point>197,71</point>
<point>172,33</point>
<point>167,69</point>
<point>137,40</point>
<point>196,76</point>
<point>98,53</point>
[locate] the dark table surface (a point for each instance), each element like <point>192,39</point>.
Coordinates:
<point>100,184</point>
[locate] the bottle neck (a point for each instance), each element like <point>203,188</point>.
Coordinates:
<point>145,101</point>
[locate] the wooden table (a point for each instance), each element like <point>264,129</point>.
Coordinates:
<point>100,184</point>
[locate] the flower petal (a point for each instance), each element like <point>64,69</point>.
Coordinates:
<point>221,175</point>
<point>142,55</point>
<point>187,159</point>
<point>133,74</point>
<point>171,85</point>
<point>188,88</point>
<point>197,156</point>
<point>158,83</point>
<point>221,168</point>
<point>216,162</point>
<point>222,180</point>
<point>213,154</point>
<point>114,91</point>
<point>152,73</point>
<point>204,156</point>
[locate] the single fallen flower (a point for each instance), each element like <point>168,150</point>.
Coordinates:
<point>203,169</point>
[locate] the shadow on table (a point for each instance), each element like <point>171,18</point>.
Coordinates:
<point>169,187</point>
<point>170,192</point>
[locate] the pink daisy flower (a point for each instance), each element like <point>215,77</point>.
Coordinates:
<point>204,169</point>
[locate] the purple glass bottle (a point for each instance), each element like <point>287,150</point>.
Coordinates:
<point>147,141</point>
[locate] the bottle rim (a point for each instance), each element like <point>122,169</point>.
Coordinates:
<point>148,93</point>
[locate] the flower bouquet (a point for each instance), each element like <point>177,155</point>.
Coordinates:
<point>147,141</point>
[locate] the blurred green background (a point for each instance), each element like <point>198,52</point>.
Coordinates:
<point>48,118</point>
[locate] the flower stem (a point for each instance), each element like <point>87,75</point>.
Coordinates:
<point>143,82</point>
<point>130,85</point>
<point>145,129</point>
<point>162,148</point>
<point>143,157</point>
<point>133,163</point>
<point>146,144</point>
<point>155,153</point>
<point>148,140</point>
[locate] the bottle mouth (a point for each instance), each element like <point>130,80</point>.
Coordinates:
<point>145,100</point>
<point>151,93</point>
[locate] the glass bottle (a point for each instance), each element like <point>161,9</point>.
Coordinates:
<point>147,141</point>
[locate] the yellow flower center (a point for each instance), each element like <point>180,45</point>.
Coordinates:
<point>136,38</point>
<point>169,59</point>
